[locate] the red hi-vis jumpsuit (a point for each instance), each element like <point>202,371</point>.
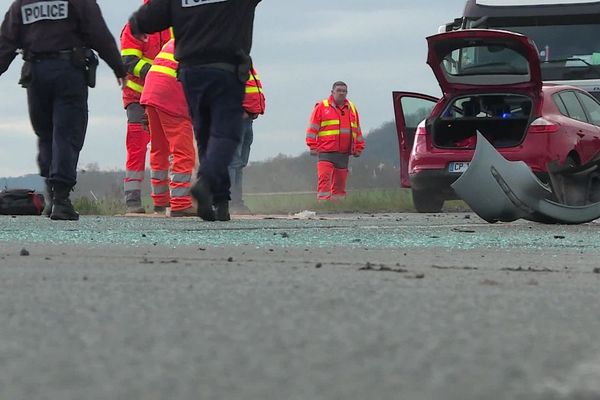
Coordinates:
<point>334,133</point>
<point>137,55</point>
<point>171,131</point>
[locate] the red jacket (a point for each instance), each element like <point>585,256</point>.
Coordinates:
<point>335,129</point>
<point>137,56</point>
<point>254,100</point>
<point>162,89</point>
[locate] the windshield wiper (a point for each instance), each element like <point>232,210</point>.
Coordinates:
<point>592,67</point>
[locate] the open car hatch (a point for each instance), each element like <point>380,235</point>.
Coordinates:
<point>484,59</point>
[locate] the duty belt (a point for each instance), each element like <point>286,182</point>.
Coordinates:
<point>53,55</point>
<point>221,65</point>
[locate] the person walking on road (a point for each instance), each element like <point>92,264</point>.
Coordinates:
<point>213,42</point>
<point>333,135</point>
<point>138,55</point>
<point>254,105</point>
<point>171,136</point>
<point>57,39</point>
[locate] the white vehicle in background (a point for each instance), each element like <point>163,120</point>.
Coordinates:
<point>566,33</point>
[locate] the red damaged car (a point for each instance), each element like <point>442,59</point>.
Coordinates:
<point>491,83</point>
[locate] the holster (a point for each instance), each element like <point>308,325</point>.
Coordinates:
<point>91,65</point>
<point>26,74</point>
<point>86,60</point>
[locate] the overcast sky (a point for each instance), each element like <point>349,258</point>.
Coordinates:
<point>300,48</point>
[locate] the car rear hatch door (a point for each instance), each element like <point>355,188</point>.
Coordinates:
<point>484,60</point>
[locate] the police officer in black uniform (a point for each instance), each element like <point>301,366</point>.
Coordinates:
<point>213,39</point>
<point>57,38</point>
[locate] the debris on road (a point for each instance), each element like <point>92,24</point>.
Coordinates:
<point>466,268</point>
<point>528,269</point>
<point>381,268</point>
<point>306,214</point>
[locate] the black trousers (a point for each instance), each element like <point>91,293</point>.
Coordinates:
<point>215,101</point>
<point>57,98</point>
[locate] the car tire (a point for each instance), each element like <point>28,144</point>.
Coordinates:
<point>426,201</point>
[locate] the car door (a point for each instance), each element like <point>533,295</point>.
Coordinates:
<point>579,128</point>
<point>410,109</point>
<point>591,142</point>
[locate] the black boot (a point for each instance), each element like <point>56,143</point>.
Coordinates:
<point>62,208</point>
<point>201,192</point>
<point>49,199</point>
<point>222,211</point>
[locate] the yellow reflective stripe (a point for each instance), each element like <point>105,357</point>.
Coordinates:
<point>131,52</point>
<point>164,70</point>
<point>172,33</point>
<point>135,87</point>
<point>166,56</point>
<point>329,133</point>
<point>354,125</point>
<point>330,122</point>
<point>251,89</point>
<point>326,103</point>
<point>352,106</point>
<point>137,70</point>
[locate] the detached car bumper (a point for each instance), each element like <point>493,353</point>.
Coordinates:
<point>440,181</point>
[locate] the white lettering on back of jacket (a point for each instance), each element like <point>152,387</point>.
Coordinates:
<point>45,10</point>
<point>194,3</point>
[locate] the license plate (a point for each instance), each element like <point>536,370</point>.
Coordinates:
<point>458,167</point>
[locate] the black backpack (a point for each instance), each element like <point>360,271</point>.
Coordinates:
<point>21,202</point>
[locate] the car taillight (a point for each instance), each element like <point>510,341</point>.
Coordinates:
<point>420,142</point>
<point>542,125</point>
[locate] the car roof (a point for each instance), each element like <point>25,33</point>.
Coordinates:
<point>556,87</point>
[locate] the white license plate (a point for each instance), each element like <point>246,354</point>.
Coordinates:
<point>458,167</point>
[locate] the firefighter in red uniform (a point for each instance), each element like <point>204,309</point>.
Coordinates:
<point>333,135</point>
<point>172,136</point>
<point>137,56</point>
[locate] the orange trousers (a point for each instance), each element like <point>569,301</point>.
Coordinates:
<point>172,146</point>
<point>137,143</point>
<point>331,181</point>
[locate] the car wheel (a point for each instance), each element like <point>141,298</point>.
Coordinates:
<point>427,202</point>
<point>572,161</point>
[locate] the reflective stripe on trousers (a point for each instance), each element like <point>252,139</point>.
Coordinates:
<point>172,137</point>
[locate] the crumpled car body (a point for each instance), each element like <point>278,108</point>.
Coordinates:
<point>500,190</point>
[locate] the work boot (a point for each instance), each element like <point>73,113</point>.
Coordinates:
<point>62,209</point>
<point>133,202</point>
<point>49,198</point>
<point>201,192</point>
<point>186,212</point>
<point>160,209</point>
<point>222,211</point>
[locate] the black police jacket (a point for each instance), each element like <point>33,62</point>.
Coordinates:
<point>206,31</point>
<point>41,26</point>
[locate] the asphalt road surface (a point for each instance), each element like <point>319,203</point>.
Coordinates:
<point>398,306</point>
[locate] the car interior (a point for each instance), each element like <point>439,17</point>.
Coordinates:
<point>501,118</point>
